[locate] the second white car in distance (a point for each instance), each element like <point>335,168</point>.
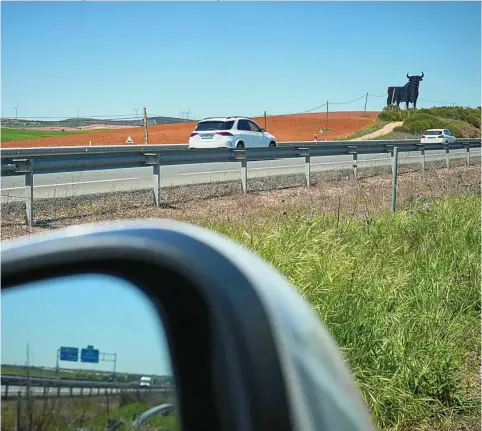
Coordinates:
<point>438,136</point>
<point>230,132</point>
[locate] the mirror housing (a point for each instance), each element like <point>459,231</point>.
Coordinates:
<point>247,351</point>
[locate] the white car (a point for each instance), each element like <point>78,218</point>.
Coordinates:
<point>438,136</point>
<point>230,132</point>
<point>145,381</point>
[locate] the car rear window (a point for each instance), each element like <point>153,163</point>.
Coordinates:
<point>214,125</point>
<point>433,132</point>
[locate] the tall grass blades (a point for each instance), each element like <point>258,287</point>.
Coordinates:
<point>401,297</point>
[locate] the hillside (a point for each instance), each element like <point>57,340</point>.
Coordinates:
<point>83,122</point>
<point>463,122</point>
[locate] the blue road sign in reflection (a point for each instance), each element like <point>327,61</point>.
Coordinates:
<point>69,354</point>
<point>89,355</point>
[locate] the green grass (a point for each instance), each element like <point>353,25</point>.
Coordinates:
<point>23,134</point>
<point>401,297</point>
<point>126,413</point>
<point>463,122</point>
<point>377,125</point>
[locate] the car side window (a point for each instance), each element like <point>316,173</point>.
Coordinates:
<point>253,126</point>
<point>243,125</point>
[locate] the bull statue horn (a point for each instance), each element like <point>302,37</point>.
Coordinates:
<point>422,74</point>
<point>408,76</point>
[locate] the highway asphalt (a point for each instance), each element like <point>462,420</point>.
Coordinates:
<point>103,181</point>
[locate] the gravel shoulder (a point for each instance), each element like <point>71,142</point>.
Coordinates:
<point>267,198</point>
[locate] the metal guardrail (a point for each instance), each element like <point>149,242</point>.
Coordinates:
<point>10,382</point>
<point>28,161</point>
<point>163,410</point>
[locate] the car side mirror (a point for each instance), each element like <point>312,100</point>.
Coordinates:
<point>242,349</point>
<point>262,130</point>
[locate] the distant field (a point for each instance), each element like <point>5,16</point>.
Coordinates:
<point>24,134</point>
<point>296,127</point>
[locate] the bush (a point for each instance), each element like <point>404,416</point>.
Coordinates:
<point>463,122</point>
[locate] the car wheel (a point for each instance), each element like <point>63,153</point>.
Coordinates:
<point>272,144</point>
<point>240,144</point>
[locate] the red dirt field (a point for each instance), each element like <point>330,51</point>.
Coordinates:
<point>300,127</point>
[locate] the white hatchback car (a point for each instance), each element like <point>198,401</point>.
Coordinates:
<point>230,132</point>
<point>438,136</point>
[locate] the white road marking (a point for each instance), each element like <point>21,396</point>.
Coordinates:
<point>74,184</point>
<point>347,162</point>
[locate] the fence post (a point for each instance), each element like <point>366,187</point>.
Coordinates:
<point>18,424</point>
<point>394,179</point>
<point>242,157</point>
<point>106,393</point>
<point>146,137</point>
<point>305,152</point>
<point>468,154</point>
<point>154,160</point>
<point>447,156</point>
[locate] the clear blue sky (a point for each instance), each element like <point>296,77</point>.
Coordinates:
<point>103,311</point>
<point>230,58</point>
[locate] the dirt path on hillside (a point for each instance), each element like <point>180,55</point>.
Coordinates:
<point>385,130</point>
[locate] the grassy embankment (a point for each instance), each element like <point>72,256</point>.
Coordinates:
<point>400,295</point>
<point>463,122</point>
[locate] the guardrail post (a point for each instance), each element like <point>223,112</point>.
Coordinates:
<point>392,153</point>
<point>18,424</point>
<point>447,156</point>
<point>6,391</point>
<point>394,179</point>
<point>24,166</point>
<point>305,152</point>
<point>422,153</point>
<point>241,156</point>
<point>154,160</point>
<point>468,154</point>
<point>354,151</point>
<point>106,394</point>
<point>422,156</point>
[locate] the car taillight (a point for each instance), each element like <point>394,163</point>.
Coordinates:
<point>423,136</point>
<point>441,136</point>
<point>224,133</point>
<point>194,134</point>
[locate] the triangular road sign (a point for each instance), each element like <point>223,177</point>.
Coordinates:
<point>129,140</point>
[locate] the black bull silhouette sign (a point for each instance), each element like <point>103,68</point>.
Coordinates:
<point>408,93</point>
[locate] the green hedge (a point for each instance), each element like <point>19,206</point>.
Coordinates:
<point>463,122</point>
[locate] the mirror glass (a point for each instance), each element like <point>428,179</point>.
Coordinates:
<point>84,352</point>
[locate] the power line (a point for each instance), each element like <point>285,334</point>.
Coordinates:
<point>346,103</point>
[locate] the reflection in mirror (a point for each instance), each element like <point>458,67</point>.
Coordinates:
<point>84,352</point>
